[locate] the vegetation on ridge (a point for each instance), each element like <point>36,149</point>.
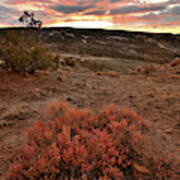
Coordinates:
<point>22,53</point>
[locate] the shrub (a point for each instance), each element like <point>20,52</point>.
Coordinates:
<point>21,52</point>
<point>148,69</point>
<point>77,144</point>
<point>70,61</point>
<point>175,62</point>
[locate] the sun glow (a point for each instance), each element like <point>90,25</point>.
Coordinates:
<point>84,24</point>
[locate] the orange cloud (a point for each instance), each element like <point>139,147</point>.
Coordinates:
<point>110,14</point>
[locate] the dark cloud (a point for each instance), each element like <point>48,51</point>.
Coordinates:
<point>175,10</point>
<point>150,16</point>
<point>98,12</point>
<point>169,14</point>
<point>136,9</point>
<point>88,1</point>
<point>163,19</point>
<point>171,19</point>
<point>70,9</point>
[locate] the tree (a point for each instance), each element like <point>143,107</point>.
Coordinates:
<point>29,20</point>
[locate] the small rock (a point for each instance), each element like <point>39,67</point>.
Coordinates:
<point>71,35</point>
<point>84,41</point>
<point>85,36</point>
<point>101,42</point>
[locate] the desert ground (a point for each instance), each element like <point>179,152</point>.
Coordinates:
<point>140,71</point>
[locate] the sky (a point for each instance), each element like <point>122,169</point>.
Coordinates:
<point>134,15</point>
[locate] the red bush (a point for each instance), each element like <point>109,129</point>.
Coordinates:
<point>77,144</point>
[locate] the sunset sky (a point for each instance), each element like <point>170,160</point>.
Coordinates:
<point>136,15</point>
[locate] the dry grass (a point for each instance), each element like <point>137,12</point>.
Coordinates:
<point>108,73</point>
<point>167,71</point>
<point>176,62</point>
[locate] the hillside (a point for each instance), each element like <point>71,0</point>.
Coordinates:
<point>139,46</point>
<point>139,71</point>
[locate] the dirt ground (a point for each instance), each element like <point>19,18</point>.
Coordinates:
<point>23,100</point>
<point>101,68</point>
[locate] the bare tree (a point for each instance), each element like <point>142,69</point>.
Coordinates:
<point>29,20</point>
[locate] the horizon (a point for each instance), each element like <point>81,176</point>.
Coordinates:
<point>89,29</point>
<point>150,16</point>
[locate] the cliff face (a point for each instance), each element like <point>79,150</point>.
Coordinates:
<point>157,48</point>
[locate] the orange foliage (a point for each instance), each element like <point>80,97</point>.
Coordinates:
<point>77,144</point>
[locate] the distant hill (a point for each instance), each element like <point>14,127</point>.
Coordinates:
<point>151,47</point>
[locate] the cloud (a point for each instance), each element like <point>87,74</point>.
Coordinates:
<point>7,15</point>
<point>98,12</point>
<point>128,14</point>
<point>175,10</point>
<point>6,9</point>
<point>136,9</point>
<point>70,9</point>
<point>26,1</point>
